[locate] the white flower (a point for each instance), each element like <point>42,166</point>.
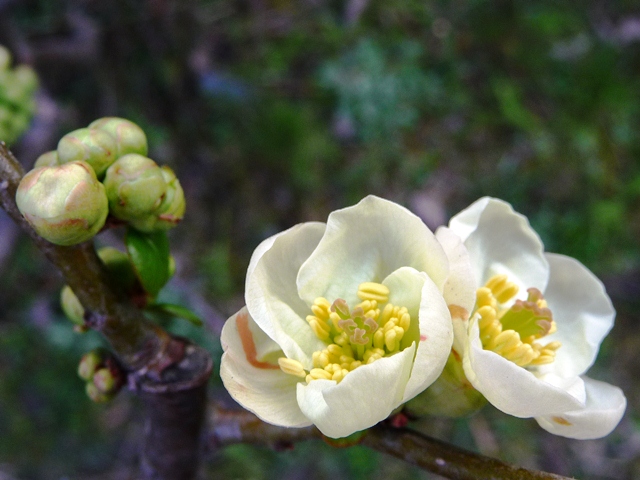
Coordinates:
<point>345,321</point>
<point>536,328</point>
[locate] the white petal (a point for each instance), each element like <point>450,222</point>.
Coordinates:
<point>271,294</point>
<point>502,242</point>
<point>466,221</point>
<point>460,289</point>
<point>432,332</point>
<point>365,243</point>
<point>604,408</point>
<point>511,388</point>
<point>254,382</point>
<point>365,396</point>
<point>583,313</point>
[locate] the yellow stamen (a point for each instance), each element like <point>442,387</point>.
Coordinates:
<point>373,291</point>
<point>514,332</point>
<point>292,367</point>
<point>373,329</point>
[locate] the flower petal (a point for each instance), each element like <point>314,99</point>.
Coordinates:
<point>365,243</point>
<point>583,313</point>
<point>365,396</point>
<point>432,332</point>
<point>271,292</point>
<point>511,388</point>
<point>256,384</point>
<point>460,288</point>
<point>501,241</point>
<point>603,410</point>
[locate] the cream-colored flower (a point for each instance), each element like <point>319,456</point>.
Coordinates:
<point>345,321</point>
<point>536,328</point>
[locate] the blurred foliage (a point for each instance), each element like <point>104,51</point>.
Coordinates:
<point>274,112</point>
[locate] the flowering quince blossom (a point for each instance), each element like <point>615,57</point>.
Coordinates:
<point>345,321</point>
<point>536,327</point>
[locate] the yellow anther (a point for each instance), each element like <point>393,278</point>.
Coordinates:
<point>373,291</point>
<point>292,367</point>
<point>319,373</point>
<point>405,322</point>
<point>496,282</point>
<point>321,330</point>
<point>484,297</point>
<point>321,308</point>
<point>355,364</point>
<point>342,339</point>
<point>507,293</point>
<point>320,359</point>
<point>386,314</point>
<point>378,338</point>
<point>339,375</point>
<point>390,340</point>
<point>335,350</point>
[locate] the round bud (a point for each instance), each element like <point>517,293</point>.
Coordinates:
<point>71,306</point>
<point>170,211</point>
<point>25,76</point>
<point>65,204</point>
<point>96,395</point>
<point>135,186</point>
<point>48,159</point>
<point>5,58</point>
<point>104,380</point>
<point>96,147</point>
<point>129,137</point>
<point>89,364</point>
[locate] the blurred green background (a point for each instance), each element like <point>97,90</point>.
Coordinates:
<point>274,112</point>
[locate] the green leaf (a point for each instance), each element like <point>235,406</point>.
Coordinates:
<point>176,311</point>
<point>149,254</point>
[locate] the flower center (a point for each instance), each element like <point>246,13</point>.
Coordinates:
<point>514,332</point>
<point>371,330</point>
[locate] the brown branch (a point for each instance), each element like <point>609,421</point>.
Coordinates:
<point>227,427</point>
<point>169,373</point>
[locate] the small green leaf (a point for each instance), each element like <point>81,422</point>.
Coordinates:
<point>149,254</point>
<point>176,311</point>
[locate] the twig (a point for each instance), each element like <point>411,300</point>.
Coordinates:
<point>227,427</point>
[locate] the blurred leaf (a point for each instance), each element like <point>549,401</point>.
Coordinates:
<point>149,253</point>
<point>176,311</point>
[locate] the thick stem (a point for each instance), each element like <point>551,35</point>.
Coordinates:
<point>227,427</point>
<point>175,414</point>
<point>168,373</point>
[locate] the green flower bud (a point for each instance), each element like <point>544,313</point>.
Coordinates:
<point>96,395</point>
<point>90,363</point>
<point>48,159</point>
<point>169,212</point>
<point>451,395</point>
<point>5,58</point>
<point>71,306</point>
<point>96,147</point>
<point>105,381</point>
<point>135,186</point>
<point>65,204</point>
<point>24,76</point>
<point>129,137</point>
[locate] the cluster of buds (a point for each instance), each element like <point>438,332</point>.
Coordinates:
<point>97,171</point>
<point>17,97</point>
<point>102,374</point>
